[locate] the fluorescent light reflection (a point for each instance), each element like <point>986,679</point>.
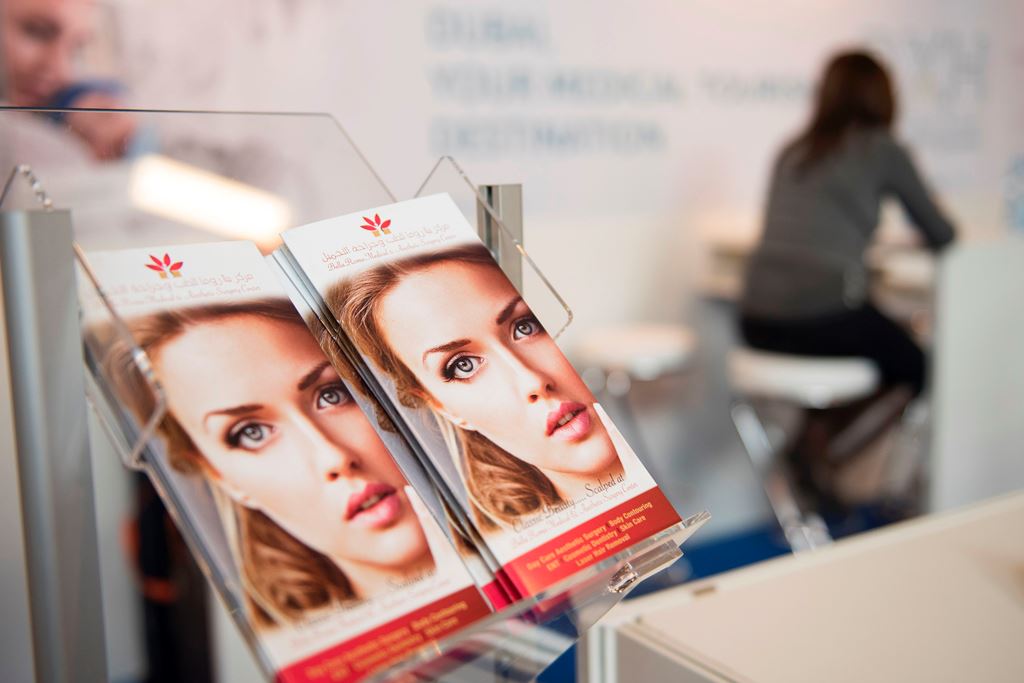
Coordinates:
<point>187,194</point>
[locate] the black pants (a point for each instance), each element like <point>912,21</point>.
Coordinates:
<point>864,333</point>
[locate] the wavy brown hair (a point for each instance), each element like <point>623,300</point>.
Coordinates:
<point>284,577</point>
<point>855,92</point>
<point>502,487</point>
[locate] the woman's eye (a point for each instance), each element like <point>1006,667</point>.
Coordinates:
<point>462,367</point>
<point>525,327</point>
<point>249,435</point>
<point>42,31</point>
<point>332,396</point>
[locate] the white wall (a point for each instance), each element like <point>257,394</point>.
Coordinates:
<point>638,129</point>
<point>635,127</point>
<point>978,376</point>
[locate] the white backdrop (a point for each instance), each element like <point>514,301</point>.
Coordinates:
<point>636,128</point>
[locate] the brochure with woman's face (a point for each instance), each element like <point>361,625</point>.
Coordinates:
<point>303,515</point>
<point>510,425</point>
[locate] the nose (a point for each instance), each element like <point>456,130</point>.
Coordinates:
<point>55,65</point>
<point>533,382</point>
<point>330,460</point>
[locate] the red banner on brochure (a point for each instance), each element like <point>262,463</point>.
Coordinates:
<point>356,659</point>
<point>499,591</point>
<point>601,537</point>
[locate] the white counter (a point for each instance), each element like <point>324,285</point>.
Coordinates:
<point>936,599</point>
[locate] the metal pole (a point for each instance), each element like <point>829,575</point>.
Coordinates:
<point>507,202</point>
<point>55,477</point>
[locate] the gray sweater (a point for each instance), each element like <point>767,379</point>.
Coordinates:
<point>820,220</point>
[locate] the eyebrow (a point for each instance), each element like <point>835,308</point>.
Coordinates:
<point>312,376</point>
<point>307,380</point>
<point>443,348</point>
<point>506,312</point>
<point>236,410</point>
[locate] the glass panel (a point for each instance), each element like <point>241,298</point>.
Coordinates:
<point>545,301</point>
<point>113,360</point>
<point>522,640</point>
<point>186,177</point>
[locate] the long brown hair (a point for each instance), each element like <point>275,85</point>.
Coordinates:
<point>501,486</point>
<point>855,92</point>
<point>283,576</point>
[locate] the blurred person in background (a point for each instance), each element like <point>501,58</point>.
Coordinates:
<point>42,42</point>
<point>806,287</point>
<point>41,66</point>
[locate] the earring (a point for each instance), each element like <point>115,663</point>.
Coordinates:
<point>241,498</point>
<point>454,420</point>
<point>463,423</point>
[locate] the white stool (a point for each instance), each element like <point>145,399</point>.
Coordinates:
<point>642,352</point>
<point>612,358</point>
<point>807,381</point>
<point>803,381</point>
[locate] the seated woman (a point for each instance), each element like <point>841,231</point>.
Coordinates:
<point>456,337</point>
<point>806,283</point>
<point>313,502</point>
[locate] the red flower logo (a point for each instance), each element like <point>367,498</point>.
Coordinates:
<point>165,266</point>
<point>376,226</point>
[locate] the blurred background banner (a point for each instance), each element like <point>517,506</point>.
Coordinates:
<point>643,133</point>
<point>644,136</point>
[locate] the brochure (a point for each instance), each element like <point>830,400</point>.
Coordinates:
<point>333,563</point>
<point>474,552</point>
<point>490,404</point>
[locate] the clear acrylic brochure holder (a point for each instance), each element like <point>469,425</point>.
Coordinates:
<point>297,168</point>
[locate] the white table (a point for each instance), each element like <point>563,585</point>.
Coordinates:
<point>937,599</point>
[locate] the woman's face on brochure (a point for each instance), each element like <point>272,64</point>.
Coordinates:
<point>489,366</point>
<point>280,433</point>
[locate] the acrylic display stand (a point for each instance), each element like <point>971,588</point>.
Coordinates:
<point>270,172</point>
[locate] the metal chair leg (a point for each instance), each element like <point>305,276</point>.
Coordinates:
<point>803,532</point>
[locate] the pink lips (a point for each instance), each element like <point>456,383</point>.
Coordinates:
<point>384,506</point>
<point>577,426</point>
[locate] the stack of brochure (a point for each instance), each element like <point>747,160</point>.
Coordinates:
<point>373,437</point>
